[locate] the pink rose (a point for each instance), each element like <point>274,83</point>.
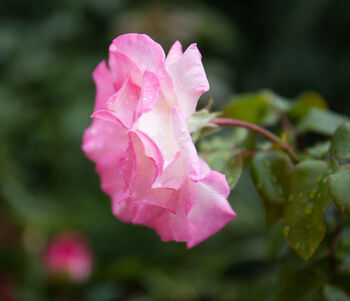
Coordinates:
<point>69,255</point>
<point>141,144</point>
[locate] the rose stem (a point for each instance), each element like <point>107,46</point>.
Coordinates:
<point>259,130</point>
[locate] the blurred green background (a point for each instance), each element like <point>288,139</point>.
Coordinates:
<point>48,50</point>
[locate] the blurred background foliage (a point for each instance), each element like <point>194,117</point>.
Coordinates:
<point>48,50</point>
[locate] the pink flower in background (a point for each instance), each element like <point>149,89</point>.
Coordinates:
<point>141,145</point>
<point>68,255</point>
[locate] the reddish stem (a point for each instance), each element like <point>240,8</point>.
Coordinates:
<point>253,127</point>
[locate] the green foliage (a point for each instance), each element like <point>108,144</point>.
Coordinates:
<point>341,141</point>
<point>308,198</point>
<point>318,151</point>
<point>221,156</point>
<point>271,171</point>
<point>320,122</point>
<point>260,108</point>
<point>199,124</point>
<point>300,281</point>
<point>339,188</point>
<point>305,103</point>
<point>332,293</point>
<point>300,192</point>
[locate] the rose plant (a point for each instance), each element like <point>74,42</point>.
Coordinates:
<point>141,144</point>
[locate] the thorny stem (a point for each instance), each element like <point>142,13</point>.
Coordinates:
<point>253,127</point>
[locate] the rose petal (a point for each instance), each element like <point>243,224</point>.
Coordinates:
<point>104,85</point>
<point>102,138</point>
<point>189,78</point>
<point>140,49</point>
<point>173,175</point>
<point>185,145</point>
<point>152,151</point>
<point>156,125</point>
<point>124,102</point>
<point>122,67</point>
<point>105,143</point>
<point>107,116</point>
<point>211,211</point>
<point>131,50</point>
<point>175,53</point>
<point>149,92</point>
<point>145,172</point>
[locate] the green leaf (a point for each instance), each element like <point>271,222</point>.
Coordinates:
<point>199,123</point>
<point>320,122</point>
<point>229,164</point>
<point>234,170</point>
<point>339,183</point>
<point>222,157</point>
<point>271,171</point>
<point>308,198</point>
<point>305,103</point>
<point>332,293</point>
<point>273,213</point>
<point>300,281</point>
<point>319,150</point>
<point>341,141</point>
<point>253,107</point>
<point>278,102</point>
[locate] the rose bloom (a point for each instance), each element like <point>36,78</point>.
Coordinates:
<point>68,255</point>
<point>141,145</point>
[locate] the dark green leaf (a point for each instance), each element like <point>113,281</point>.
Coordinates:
<point>278,102</point>
<point>199,123</point>
<point>320,122</point>
<point>271,171</point>
<point>300,281</point>
<point>221,156</point>
<point>308,198</point>
<point>319,150</point>
<point>332,293</point>
<point>305,103</point>
<point>234,170</point>
<point>341,141</point>
<point>339,184</point>
<point>254,107</point>
<point>273,212</point>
